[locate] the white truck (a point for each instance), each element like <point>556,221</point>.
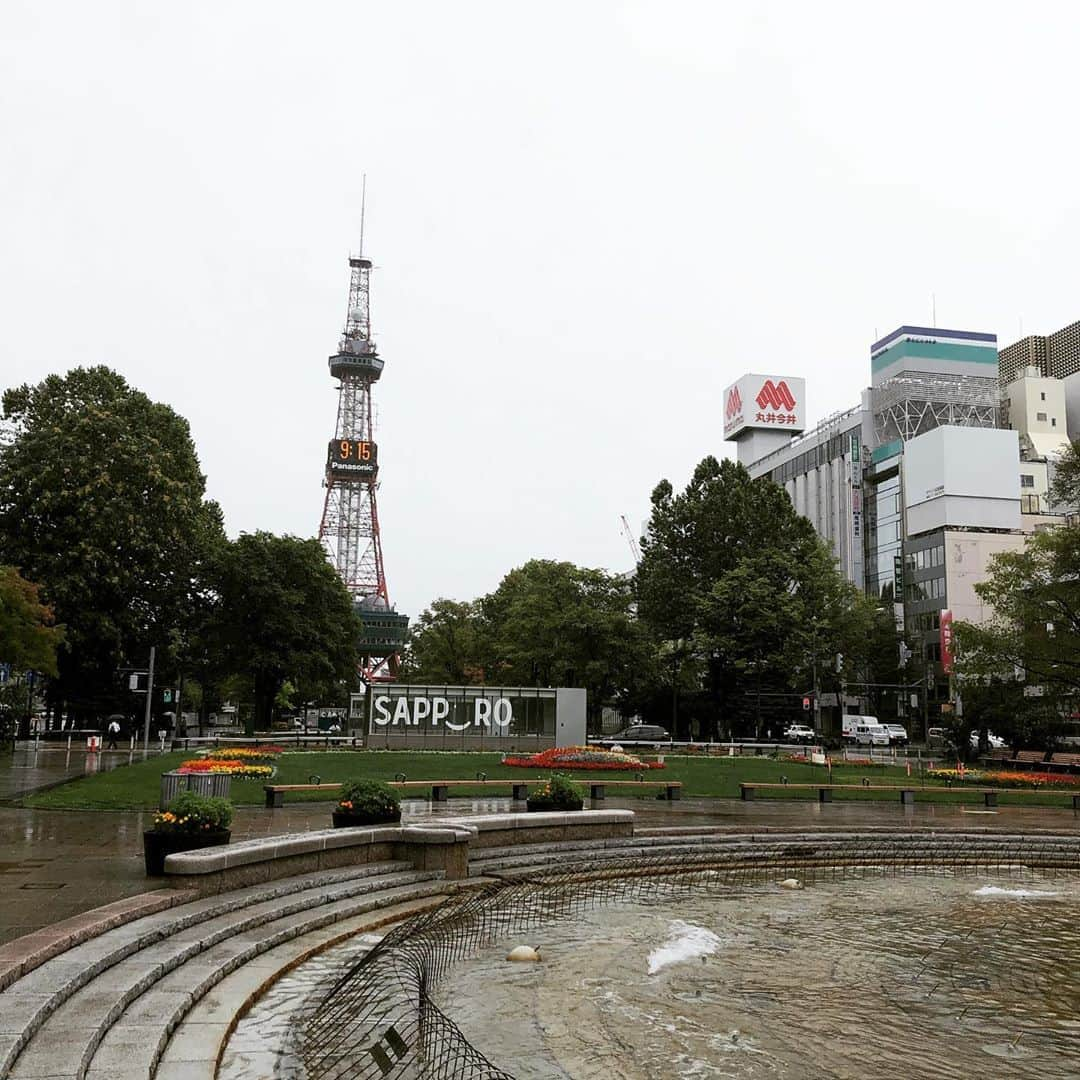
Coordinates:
<point>864,731</point>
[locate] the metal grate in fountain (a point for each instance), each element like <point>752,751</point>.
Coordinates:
<point>378,1021</point>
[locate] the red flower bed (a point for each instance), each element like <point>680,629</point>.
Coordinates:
<point>581,757</point>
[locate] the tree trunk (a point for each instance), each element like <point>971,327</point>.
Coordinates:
<point>266,689</point>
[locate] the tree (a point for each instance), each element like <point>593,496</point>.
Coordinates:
<point>280,613</point>
<point>447,644</point>
<point>1065,488</point>
<point>28,637</point>
<point>729,565</point>
<point>556,624</point>
<point>102,503</point>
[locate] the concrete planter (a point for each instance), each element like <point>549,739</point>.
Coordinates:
<point>345,820</point>
<point>157,845</point>
<point>214,785</point>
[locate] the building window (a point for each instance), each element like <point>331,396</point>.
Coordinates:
<point>1029,504</point>
<point>1041,416</point>
<point>1053,421</point>
<point>1042,397</point>
<point>1027,480</point>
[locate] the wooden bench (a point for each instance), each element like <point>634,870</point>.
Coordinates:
<point>1069,761</point>
<point>519,789</point>
<point>1029,757</point>
<point>906,793</point>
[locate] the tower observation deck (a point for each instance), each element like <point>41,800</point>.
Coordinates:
<point>349,530</point>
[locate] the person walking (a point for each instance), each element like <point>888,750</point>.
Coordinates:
<point>114,732</point>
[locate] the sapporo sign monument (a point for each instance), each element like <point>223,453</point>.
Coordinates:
<point>470,716</point>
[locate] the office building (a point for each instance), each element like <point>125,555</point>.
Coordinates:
<point>916,488</point>
<point>1057,355</point>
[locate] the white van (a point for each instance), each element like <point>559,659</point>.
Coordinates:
<point>849,723</point>
<point>871,735</point>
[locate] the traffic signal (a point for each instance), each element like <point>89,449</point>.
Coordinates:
<point>806,704</point>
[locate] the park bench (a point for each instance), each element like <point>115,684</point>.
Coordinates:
<point>1029,757</point>
<point>519,789</point>
<point>1069,761</point>
<point>906,793</point>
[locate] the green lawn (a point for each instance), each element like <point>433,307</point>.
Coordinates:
<point>135,787</point>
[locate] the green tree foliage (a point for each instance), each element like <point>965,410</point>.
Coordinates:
<point>729,566</point>
<point>447,644</point>
<point>1003,706</point>
<point>547,624</point>
<point>28,637</point>
<point>1065,489</point>
<point>557,624</point>
<point>1033,634</point>
<point>102,504</point>
<point>280,613</point>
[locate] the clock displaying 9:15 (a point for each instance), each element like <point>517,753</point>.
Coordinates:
<point>360,452</point>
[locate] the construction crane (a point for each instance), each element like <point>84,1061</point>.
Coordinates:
<point>635,548</point>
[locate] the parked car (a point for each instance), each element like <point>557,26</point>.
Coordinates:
<point>800,733</point>
<point>994,742</point>
<point>636,733</point>
<point>871,735</point>
<point>848,724</point>
<point>939,738</point>
<point>897,734</point>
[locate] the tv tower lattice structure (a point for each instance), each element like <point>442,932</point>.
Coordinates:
<point>349,530</point>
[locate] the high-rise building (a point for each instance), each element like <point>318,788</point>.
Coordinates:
<point>921,484</point>
<point>1056,355</point>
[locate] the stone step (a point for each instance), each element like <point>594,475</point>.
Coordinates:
<point>555,857</point>
<point>129,1047</point>
<point>201,1037</point>
<point>27,1004</point>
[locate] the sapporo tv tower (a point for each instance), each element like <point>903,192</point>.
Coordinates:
<point>349,530</point>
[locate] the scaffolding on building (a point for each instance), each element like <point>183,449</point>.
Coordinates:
<point>914,403</point>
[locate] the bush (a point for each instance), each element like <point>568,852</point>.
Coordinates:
<point>371,798</point>
<point>191,812</point>
<point>559,793</point>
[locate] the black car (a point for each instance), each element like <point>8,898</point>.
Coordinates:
<point>636,733</point>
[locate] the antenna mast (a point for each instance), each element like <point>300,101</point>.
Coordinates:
<point>349,529</point>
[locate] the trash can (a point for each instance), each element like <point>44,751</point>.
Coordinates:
<point>216,785</point>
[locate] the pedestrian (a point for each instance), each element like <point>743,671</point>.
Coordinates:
<point>114,732</point>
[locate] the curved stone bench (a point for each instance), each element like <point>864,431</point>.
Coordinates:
<point>252,862</point>
<point>507,830</point>
<point>444,847</point>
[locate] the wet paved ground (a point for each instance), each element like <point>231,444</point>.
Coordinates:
<point>32,769</point>
<point>55,863</point>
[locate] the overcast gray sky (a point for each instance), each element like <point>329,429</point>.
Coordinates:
<point>586,219</point>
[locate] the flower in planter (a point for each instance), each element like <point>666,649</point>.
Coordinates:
<point>190,812</point>
<point>558,793</point>
<point>370,799</point>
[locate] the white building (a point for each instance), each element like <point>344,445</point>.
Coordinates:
<point>917,488</point>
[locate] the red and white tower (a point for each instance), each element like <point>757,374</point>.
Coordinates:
<point>349,530</point>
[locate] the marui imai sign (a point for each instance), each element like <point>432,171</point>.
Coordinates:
<point>765,402</point>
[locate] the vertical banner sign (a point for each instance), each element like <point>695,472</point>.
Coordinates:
<point>946,642</point>
<point>898,578</point>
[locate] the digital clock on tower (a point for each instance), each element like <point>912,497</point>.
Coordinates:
<point>356,456</point>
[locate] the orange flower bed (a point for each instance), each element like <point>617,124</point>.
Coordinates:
<point>581,757</point>
<point>244,769</point>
